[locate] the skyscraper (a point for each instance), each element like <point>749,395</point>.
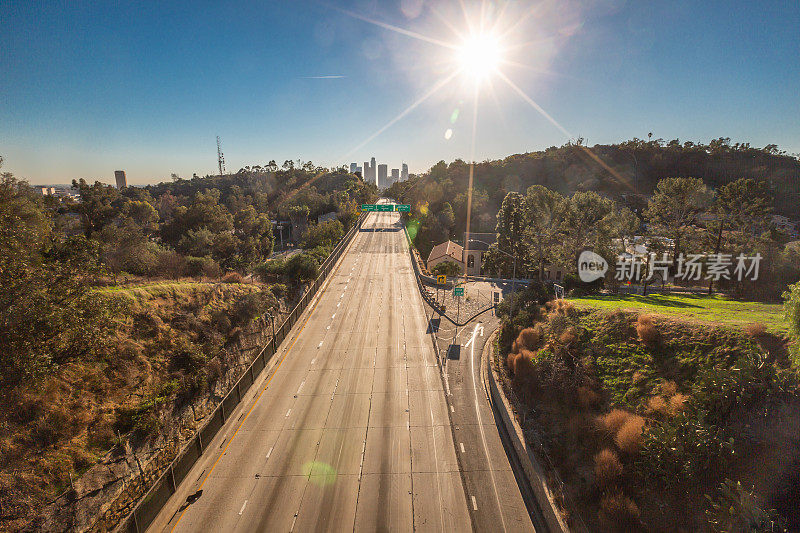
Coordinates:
<point>382,169</point>
<point>395,176</point>
<point>122,181</point>
<point>404,173</point>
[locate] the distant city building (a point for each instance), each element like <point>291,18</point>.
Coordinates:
<point>382,171</point>
<point>360,170</point>
<point>369,174</point>
<point>353,167</point>
<point>122,181</point>
<point>395,175</point>
<point>404,173</point>
<point>46,191</point>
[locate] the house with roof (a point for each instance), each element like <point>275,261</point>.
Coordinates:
<point>446,251</point>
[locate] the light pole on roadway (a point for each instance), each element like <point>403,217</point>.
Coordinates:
<point>513,274</point>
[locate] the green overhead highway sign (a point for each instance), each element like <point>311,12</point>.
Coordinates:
<point>402,208</point>
<point>458,291</point>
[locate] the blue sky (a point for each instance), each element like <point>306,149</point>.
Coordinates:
<point>90,88</point>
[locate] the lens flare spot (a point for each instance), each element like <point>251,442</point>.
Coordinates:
<point>454,116</point>
<point>319,473</point>
<point>448,134</point>
<point>413,229</point>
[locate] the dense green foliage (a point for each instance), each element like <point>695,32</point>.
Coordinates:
<point>446,268</point>
<point>48,314</point>
<point>684,198</point>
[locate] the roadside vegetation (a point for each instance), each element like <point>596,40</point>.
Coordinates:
<point>649,420</point>
<point>123,309</point>
<point>653,196</point>
<point>701,308</point>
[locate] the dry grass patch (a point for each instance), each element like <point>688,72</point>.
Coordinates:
<point>629,436</point>
<point>607,468</point>
<point>619,513</point>
<point>755,330</point>
<point>646,329</point>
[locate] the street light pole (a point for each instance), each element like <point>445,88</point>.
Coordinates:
<point>513,274</point>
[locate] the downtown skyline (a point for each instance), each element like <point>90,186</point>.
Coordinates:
<point>147,89</point>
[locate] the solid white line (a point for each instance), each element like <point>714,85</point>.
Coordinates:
<point>474,504</point>
<point>242,509</point>
<point>287,413</point>
<point>270,452</point>
<point>301,386</point>
<point>293,522</point>
<point>462,447</point>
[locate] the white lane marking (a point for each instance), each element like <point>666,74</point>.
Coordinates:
<point>340,303</point>
<point>474,504</point>
<point>345,288</point>
<point>313,360</point>
<point>293,522</point>
<point>270,451</point>
<point>301,386</point>
<point>462,447</point>
<point>287,413</point>
<point>333,315</point>
<point>452,409</point>
<point>320,344</point>
<point>242,509</point>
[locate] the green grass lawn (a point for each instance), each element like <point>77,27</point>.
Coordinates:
<point>717,309</point>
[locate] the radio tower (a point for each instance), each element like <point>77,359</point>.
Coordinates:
<point>220,159</point>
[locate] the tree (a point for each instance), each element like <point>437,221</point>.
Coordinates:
<point>48,311</point>
<point>589,222</point>
<point>96,207</point>
<point>674,208</point>
<point>740,207</point>
<point>447,268</point>
<point>792,313</point>
<point>511,221</point>
<point>325,234</point>
<point>546,210</point>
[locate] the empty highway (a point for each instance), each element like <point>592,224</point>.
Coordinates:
<point>352,429</point>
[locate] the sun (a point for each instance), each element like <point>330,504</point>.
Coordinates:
<point>479,56</point>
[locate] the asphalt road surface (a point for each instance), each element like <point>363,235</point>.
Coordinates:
<point>352,428</point>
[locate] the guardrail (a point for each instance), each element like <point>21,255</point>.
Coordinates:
<point>167,484</point>
<point>545,502</point>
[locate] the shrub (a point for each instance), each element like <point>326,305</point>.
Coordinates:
<point>569,336</point>
<point>646,329</point>
<point>279,290</point>
<point>529,338</point>
<point>612,421</point>
<point>302,267</point>
<point>629,436</point>
<point>657,405</point>
<point>202,266</point>
<point>525,373</point>
<point>232,277</point>
<point>677,403</point>
<point>755,330</point>
<point>323,234</point>
<point>668,388</point>
<point>619,512</point>
<point>607,468</point>
<point>587,397</point>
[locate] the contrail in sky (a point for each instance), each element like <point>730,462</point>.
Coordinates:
<point>321,77</point>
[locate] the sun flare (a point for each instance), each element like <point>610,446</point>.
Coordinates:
<point>479,56</point>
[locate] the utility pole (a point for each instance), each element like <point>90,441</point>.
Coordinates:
<point>220,158</point>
